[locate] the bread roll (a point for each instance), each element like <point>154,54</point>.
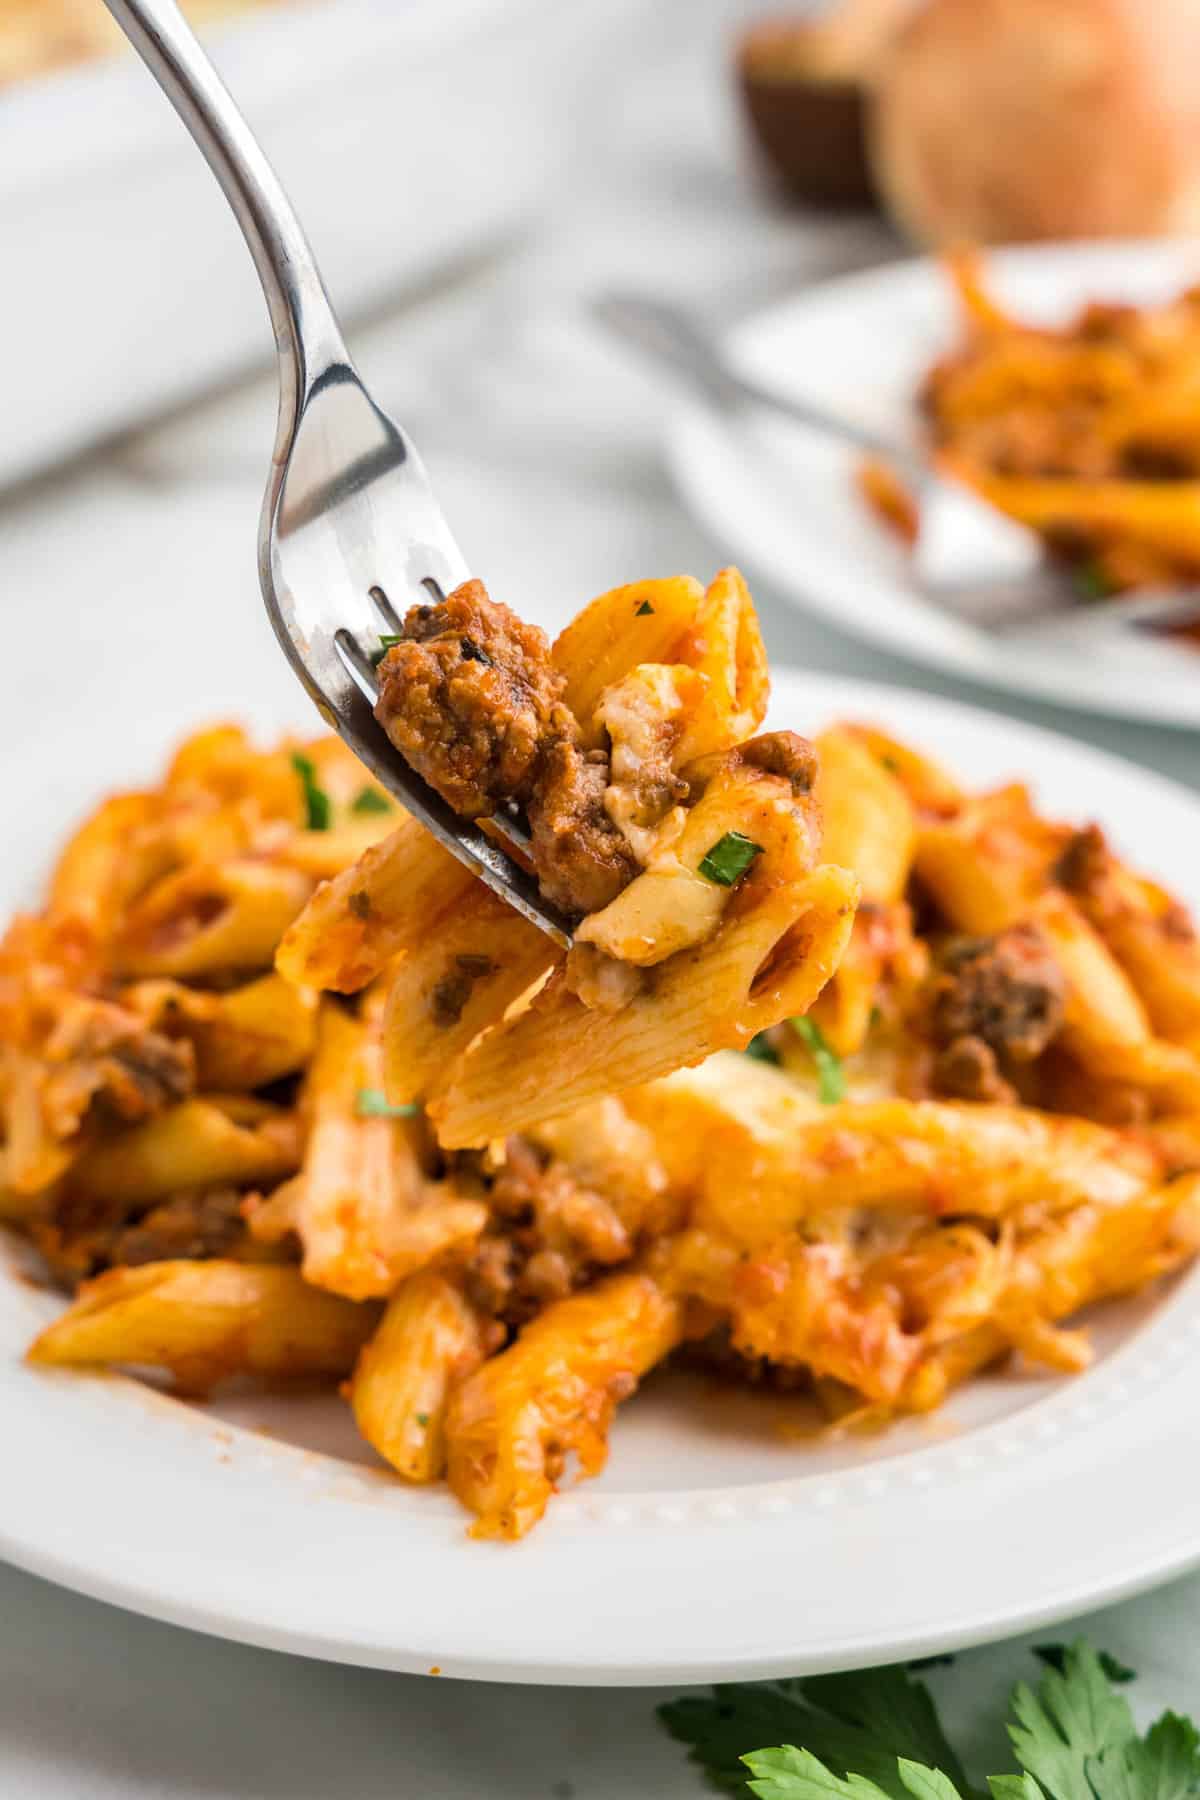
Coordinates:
<point>1006,120</point>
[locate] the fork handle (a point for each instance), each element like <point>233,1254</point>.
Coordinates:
<point>307,336</point>
<point>673,338</point>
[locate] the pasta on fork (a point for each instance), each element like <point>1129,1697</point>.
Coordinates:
<point>686,848</point>
<point>285,1092</point>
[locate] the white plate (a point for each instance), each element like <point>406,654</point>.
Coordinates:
<point>713,1545</point>
<point>786,503</point>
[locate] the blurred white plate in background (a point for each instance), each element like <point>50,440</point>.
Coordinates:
<point>720,1541</point>
<point>787,506</point>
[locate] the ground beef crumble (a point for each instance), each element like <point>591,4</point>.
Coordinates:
<point>80,1238</point>
<point>107,1067</point>
<point>995,1002</point>
<point>472,701</point>
<point>582,859</point>
<point>1084,862</point>
<point>783,753</point>
<point>550,1236</point>
<point>468,697</point>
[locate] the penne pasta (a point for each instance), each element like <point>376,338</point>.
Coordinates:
<point>362,1207</point>
<point>446,991</point>
<point>204,1322</point>
<point>512,1425</point>
<point>768,963</point>
<point>209,920</point>
<point>243,1039</point>
<point>428,1341</point>
<point>641,623</point>
<point>355,924</point>
<point>200,1143</point>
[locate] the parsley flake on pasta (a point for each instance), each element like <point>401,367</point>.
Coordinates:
<point>729,858</point>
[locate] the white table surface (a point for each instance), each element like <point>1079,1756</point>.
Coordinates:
<point>137,565</point>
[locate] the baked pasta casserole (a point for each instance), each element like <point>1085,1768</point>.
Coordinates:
<point>854,1081</point>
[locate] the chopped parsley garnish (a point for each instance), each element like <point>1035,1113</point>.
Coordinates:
<point>1092,583</point>
<point>729,858</point>
<point>371,800</point>
<point>875,1735</point>
<point>831,1077</point>
<point>318,811</point>
<point>373,1103</point>
<point>889,762</point>
<point>422,1420</point>
<point>762,1049</point>
<point>643,609</point>
<point>386,640</point>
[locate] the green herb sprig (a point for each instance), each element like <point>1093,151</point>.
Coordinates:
<point>373,1103</point>
<point>386,640</point>
<point>729,858</point>
<point>370,800</point>
<point>317,806</point>
<point>876,1735</point>
<point>831,1076</point>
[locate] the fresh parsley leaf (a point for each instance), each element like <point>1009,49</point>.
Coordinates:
<point>791,1774</point>
<point>891,1708</point>
<point>643,609</point>
<point>370,801</point>
<point>831,1076</point>
<point>386,640</point>
<point>927,1784</point>
<point>1164,1765</point>
<point>422,1420</point>
<point>875,1735</point>
<point>316,801</point>
<point>373,1103</point>
<point>761,1049</point>
<point>1073,1718</point>
<point>1014,1787</point>
<point>720,1728</point>
<point>729,858</point>
<point>1055,1655</point>
<point>862,1722</point>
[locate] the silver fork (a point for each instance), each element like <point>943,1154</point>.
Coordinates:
<point>969,558</point>
<point>350,532</point>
